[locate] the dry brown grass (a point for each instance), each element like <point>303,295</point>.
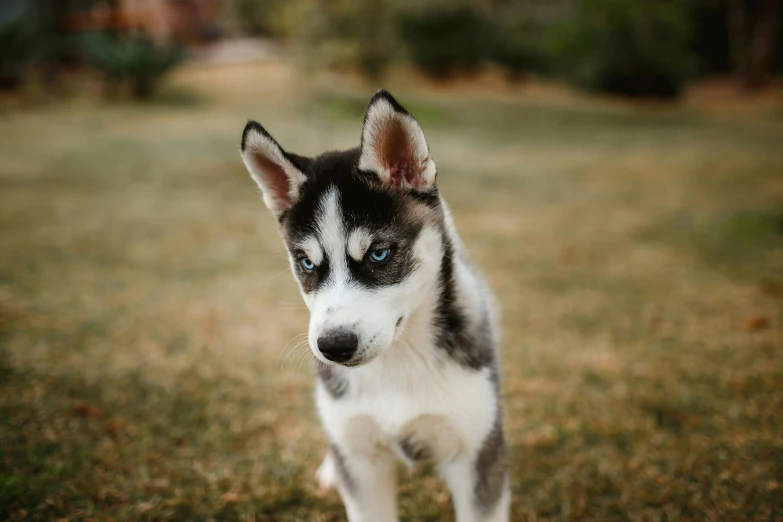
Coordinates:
<point>149,363</point>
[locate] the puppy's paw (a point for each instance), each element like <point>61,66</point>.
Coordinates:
<point>326,474</point>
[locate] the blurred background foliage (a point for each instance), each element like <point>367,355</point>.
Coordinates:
<point>131,59</point>
<point>635,48</point>
<point>641,48</point>
<point>17,48</point>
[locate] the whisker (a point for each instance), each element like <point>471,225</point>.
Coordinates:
<point>305,358</point>
<point>290,306</point>
<point>297,336</point>
<point>293,350</point>
<point>274,277</point>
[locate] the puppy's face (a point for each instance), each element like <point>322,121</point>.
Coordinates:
<point>362,228</point>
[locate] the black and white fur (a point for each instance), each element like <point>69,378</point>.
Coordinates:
<point>401,324</point>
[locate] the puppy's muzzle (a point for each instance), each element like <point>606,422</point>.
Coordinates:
<point>338,345</point>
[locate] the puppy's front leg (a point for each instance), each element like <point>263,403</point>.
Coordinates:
<point>367,485</point>
<point>479,481</point>
<point>471,504</point>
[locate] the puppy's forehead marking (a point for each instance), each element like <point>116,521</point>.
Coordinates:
<point>329,222</point>
<point>331,231</point>
<point>312,249</point>
<point>358,243</point>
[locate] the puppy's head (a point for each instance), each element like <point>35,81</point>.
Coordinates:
<point>362,228</point>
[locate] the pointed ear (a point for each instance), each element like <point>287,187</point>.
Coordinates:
<point>278,174</point>
<point>393,146</point>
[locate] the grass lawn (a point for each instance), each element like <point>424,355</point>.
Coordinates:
<point>150,367</point>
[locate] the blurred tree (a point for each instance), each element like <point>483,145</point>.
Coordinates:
<point>17,48</point>
<point>446,38</point>
<point>753,29</point>
<point>373,32</point>
<point>348,32</point>
<point>516,45</point>
<point>255,17</point>
<point>34,33</point>
<point>635,48</point>
<point>55,43</point>
<point>711,37</point>
<point>630,47</point>
<point>132,59</point>
<point>518,28</point>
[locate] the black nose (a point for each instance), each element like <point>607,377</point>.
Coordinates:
<point>338,345</point>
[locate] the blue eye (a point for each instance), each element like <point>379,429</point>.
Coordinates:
<point>307,264</point>
<point>380,255</point>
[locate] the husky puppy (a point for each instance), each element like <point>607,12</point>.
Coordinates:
<point>401,324</point>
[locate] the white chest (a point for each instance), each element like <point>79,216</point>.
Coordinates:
<point>409,394</point>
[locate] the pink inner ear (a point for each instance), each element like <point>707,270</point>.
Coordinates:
<point>275,179</point>
<point>402,171</point>
<point>395,152</point>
